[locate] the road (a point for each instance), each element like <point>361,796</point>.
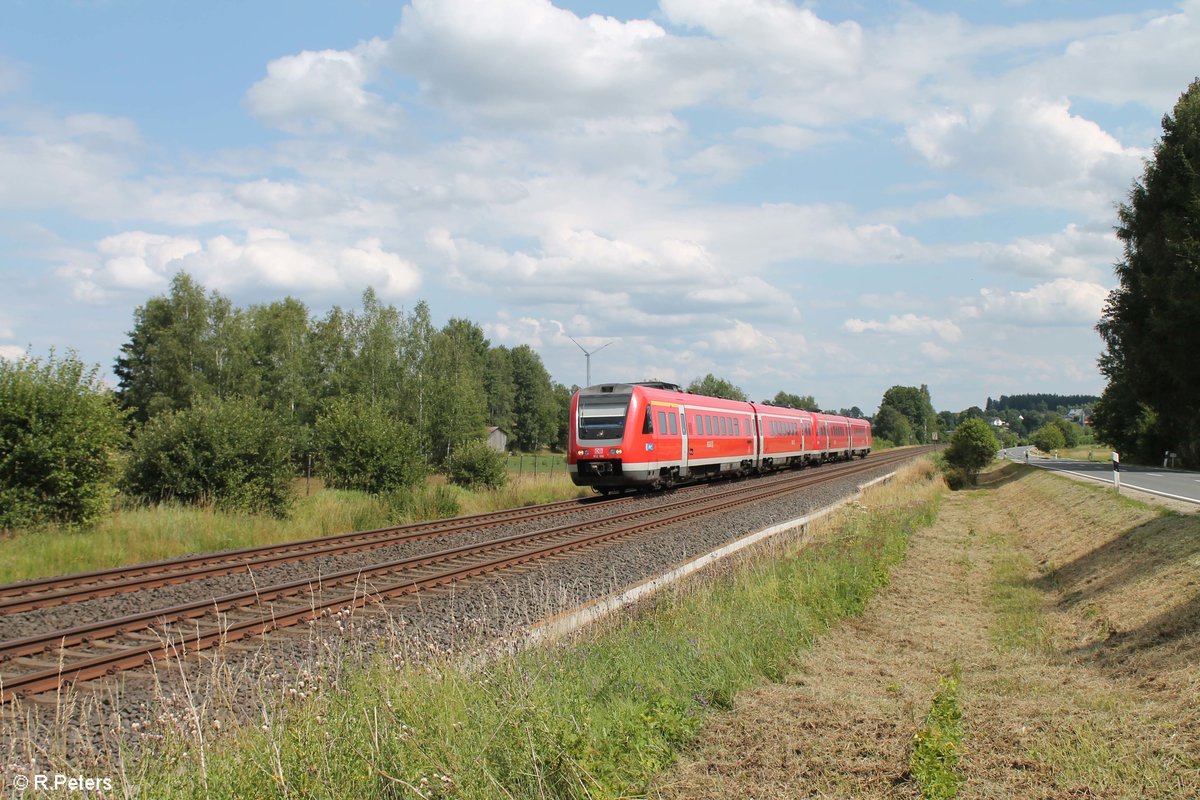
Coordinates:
<point>1173,483</point>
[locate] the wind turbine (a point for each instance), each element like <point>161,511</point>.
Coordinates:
<point>588,356</point>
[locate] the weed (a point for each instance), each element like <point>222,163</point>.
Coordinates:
<point>935,755</point>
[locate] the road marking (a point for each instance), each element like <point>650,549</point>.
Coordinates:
<point>1153,475</point>
<point>1124,483</point>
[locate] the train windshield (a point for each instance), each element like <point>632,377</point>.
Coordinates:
<point>603,416</point>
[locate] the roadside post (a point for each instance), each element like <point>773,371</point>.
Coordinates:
<point>1116,462</point>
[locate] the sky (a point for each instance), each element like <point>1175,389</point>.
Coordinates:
<point>827,199</point>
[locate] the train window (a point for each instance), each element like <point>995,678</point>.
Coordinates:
<point>707,425</point>
<point>648,424</point>
<point>725,426</point>
<point>737,426</point>
<point>662,422</point>
<point>674,427</point>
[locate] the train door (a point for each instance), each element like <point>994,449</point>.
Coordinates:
<point>685,450</point>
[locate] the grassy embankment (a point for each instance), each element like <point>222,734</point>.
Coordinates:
<point>1040,640</point>
<point>596,717</point>
<point>139,534</point>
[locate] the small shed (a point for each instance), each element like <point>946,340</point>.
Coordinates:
<point>497,439</point>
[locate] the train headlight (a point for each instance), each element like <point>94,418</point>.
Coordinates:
<point>582,452</point>
<point>614,451</point>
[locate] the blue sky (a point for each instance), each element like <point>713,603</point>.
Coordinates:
<point>825,198</point>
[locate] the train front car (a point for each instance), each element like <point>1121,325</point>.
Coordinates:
<point>649,435</point>
<point>598,453</point>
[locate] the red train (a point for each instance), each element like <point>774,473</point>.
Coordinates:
<point>627,435</point>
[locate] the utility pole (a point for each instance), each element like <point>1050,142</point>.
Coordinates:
<point>588,356</point>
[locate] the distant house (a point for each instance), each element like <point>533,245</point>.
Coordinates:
<point>996,422</point>
<point>1076,415</point>
<point>497,439</point>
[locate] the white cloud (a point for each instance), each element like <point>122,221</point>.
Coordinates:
<point>1065,302</point>
<point>528,62</point>
<point>907,325</point>
<point>1147,61</point>
<point>144,262</point>
<point>1030,144</point>
<point>935,351</point>
<point>11,352</point>
<point>743,337</point>
<point>1074,252</point>
<point>322,92</point>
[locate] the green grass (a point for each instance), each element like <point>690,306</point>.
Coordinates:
<point>934,759</point>
<point>140,534</point>
<point>536,464</point>
<point>597,718</point>
<point>1017,603</point>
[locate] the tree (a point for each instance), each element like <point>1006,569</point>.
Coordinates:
<point>162,366</point>
<point>230,453</point>
<point>282,348</point>
<point>890,424</point>
<point>1071,432</point>
<point>498,384</point>
<point>60,430</point>
<point>805,402</point>
<point>916,406</point>
<point>536,424</point>
<point>460,414</point>
<point>973,446</point>
<point>712,386</point>
<point>364,447</point>
<point>1048,438</point>
<point>1151,321</point>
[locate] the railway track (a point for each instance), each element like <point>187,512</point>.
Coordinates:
<point>45,661</point>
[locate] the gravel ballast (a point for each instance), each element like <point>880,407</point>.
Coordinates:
<point>90,720</point>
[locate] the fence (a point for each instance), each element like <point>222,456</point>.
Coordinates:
<point>525,464</point>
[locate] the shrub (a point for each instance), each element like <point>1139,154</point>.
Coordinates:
<point>363,447</point>
<point>230,453</point>
<point>1048,438</point>
<point>475,464</point>
<point>419,503</point>
<point>60,430</point>
<point>973,446</point>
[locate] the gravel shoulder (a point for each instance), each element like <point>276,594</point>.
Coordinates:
<point>1073,619</point>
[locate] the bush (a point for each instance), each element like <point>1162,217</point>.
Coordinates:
<point>60,430</point>
<point>417,504</point>
<point>230,453</point>
<point>476,464</point>
<point>1048,438</point>
<point>973,446</point>
<point>363,447</point>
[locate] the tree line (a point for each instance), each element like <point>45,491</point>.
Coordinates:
<point>1039,402</point>
<point>225,405</point>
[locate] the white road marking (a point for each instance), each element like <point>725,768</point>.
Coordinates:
<point>1124,483</point>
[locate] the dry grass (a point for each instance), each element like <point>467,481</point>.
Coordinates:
<point>1074,618</point>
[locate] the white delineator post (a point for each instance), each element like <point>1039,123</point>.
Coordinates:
<point>1116,462</point>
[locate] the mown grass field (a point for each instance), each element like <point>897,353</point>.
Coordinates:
<point>1041,640</point>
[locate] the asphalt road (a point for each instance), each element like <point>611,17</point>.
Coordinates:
<point>1173,483</point>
